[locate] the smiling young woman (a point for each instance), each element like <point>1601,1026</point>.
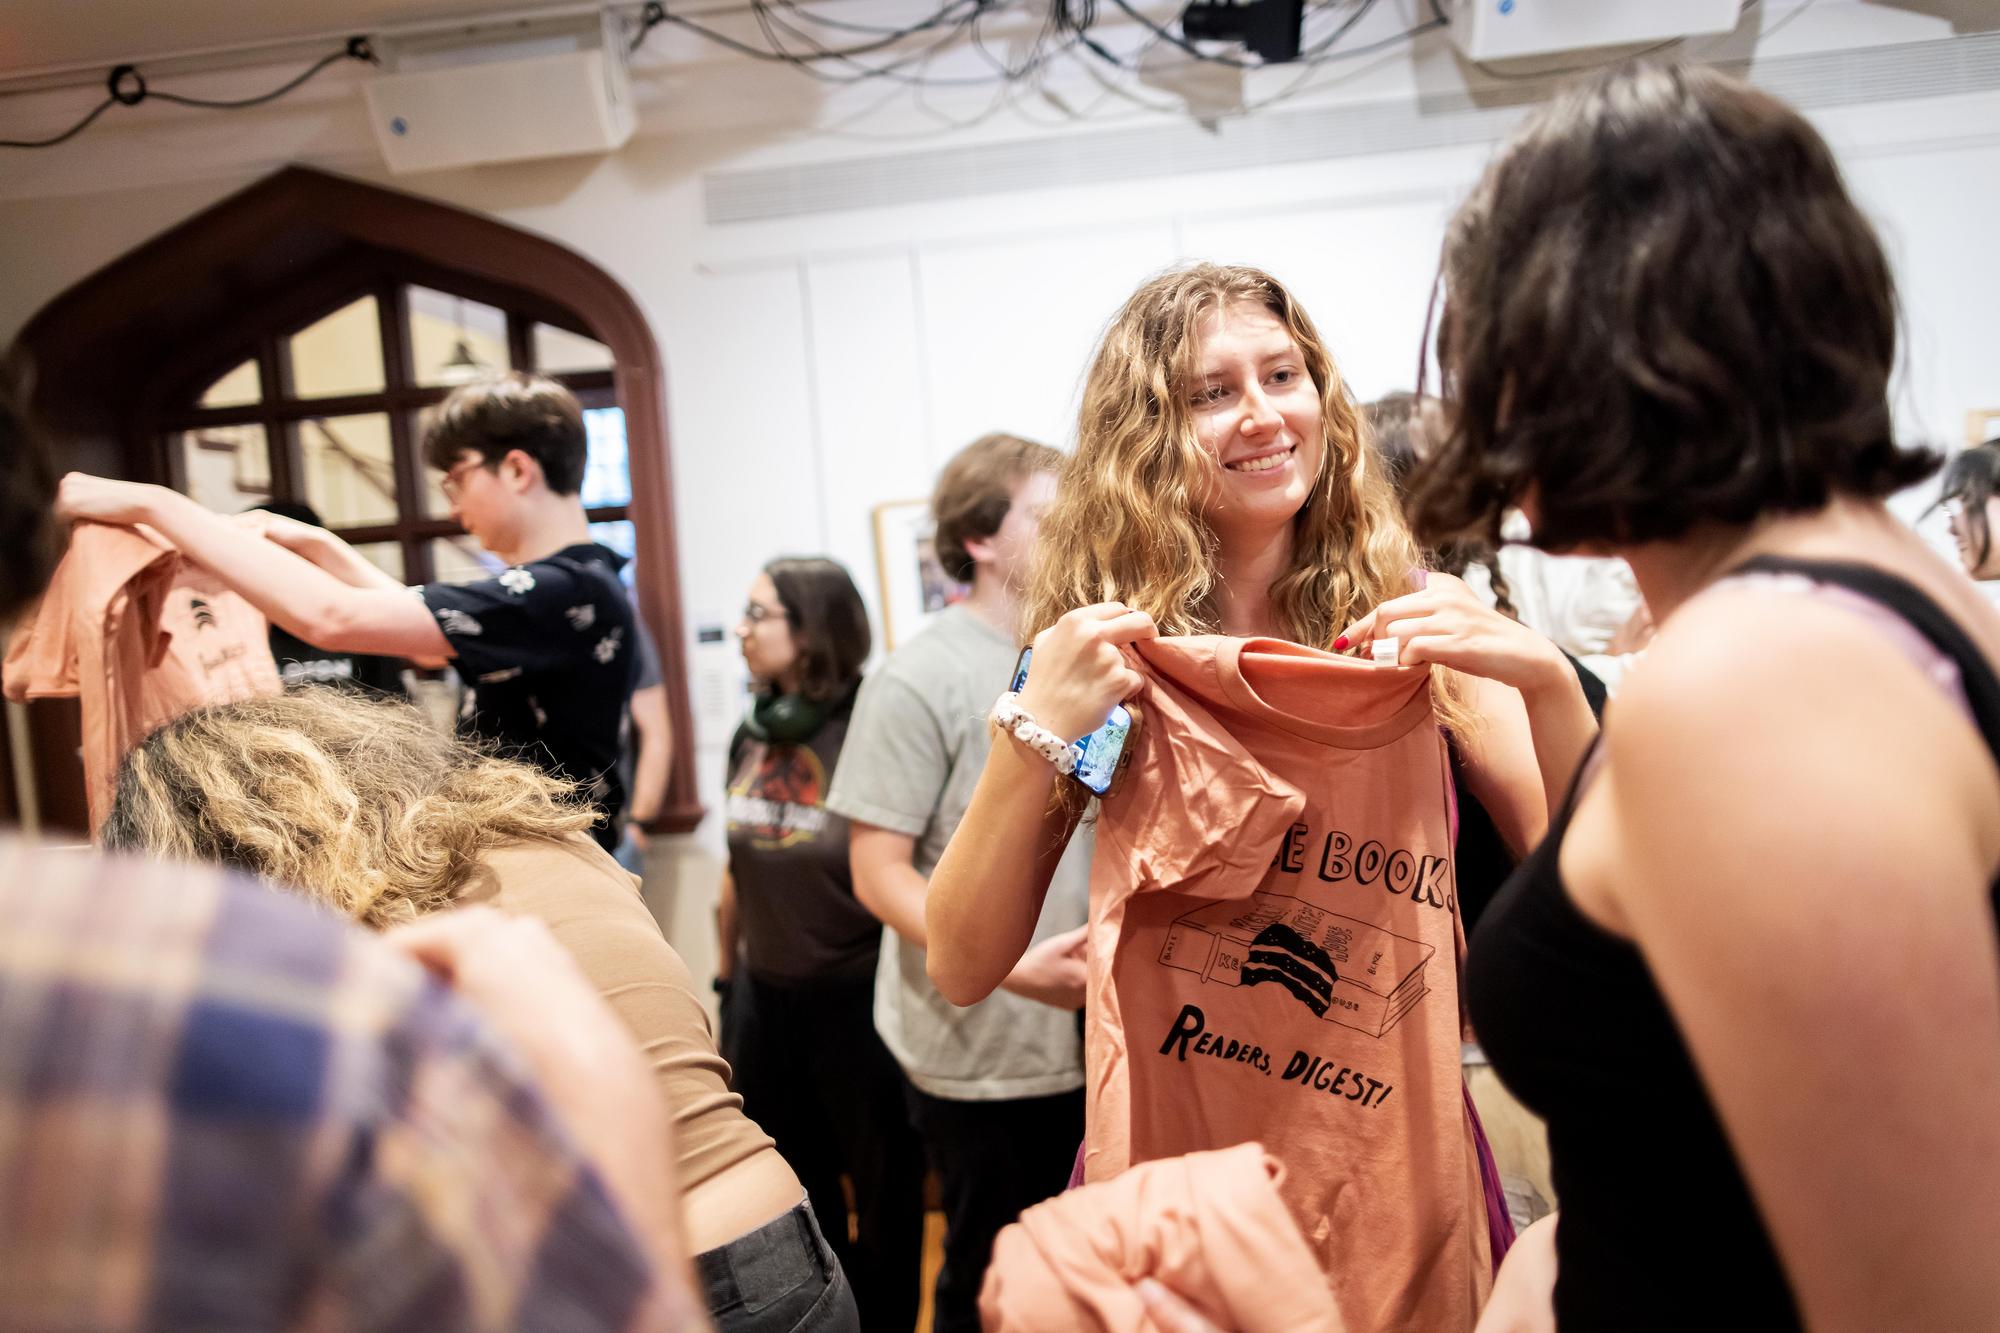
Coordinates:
<point>1222,493</point>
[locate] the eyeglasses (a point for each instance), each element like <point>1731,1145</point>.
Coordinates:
<point>756,613</point>
<point>453,481</point>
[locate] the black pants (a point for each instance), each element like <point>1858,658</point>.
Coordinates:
<point>817,1079</point>
<point>993,1159</point>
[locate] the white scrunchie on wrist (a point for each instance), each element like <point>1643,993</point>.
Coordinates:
<point>1018,722</point>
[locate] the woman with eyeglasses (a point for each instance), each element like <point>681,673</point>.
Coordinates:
<point>797,955</point>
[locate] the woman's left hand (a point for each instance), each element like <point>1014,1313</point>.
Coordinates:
<point>1447,624</point>
<point>83,497</point>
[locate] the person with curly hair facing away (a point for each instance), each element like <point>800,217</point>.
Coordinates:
<point>1219,525</point>
<point>363,806</point>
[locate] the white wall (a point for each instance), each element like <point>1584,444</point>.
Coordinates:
<point>820,366</point>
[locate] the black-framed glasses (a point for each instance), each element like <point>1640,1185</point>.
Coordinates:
<point>757,613</point>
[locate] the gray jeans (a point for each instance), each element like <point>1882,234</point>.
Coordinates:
<point>781,1278</point>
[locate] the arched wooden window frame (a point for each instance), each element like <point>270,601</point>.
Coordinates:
<point>118,358</point>
<point>259,338</point>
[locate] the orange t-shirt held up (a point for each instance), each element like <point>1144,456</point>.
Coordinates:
<point>1274,956</point>
<point>139,636</point>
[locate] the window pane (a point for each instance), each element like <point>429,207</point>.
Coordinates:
<point>623,538</point>
<point>239,388</point>
<point>462,560</point>
<point>431,493</point>
<point>453,340</point>
<point>228,467</point>
<point>385,556</point>
<point>350,475</point>
<point>607,475</point>
<point>340,354</point>
<point>560,352</point>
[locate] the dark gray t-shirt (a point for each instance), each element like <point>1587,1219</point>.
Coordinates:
<point>796,911</point>
<point>913,756</point>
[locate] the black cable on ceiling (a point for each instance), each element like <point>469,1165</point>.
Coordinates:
<point>1067,19</point>
<point>126,86</point>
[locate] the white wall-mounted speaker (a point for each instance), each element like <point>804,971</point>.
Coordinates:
<point>526,90</point>
<point>1504,29</point>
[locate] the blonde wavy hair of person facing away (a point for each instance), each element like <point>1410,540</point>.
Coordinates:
<point>361,803</point>
<point>1127,522</point>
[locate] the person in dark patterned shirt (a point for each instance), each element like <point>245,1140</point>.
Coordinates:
<point>545,646</point>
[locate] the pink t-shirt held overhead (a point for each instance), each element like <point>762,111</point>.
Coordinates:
<point>1274,955</point>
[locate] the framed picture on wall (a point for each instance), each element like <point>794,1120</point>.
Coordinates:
<point>914,585</point>
<point>1981,425</point>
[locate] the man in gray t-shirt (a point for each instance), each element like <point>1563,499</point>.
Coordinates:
<point>997,1088</point>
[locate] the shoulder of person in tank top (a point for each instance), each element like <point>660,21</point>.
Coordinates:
<point>1755,660</point>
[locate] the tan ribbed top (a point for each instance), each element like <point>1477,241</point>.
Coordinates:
<point>592,906</point>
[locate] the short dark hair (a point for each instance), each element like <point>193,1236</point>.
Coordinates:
<point>1393,422</point>
<point>976,489</point>
<point>1971,478</point>
<point>1401,428</point>
<point>30,537</point>
<point>493,417</point>
<point>828,620</point>
<point>1662,309</point>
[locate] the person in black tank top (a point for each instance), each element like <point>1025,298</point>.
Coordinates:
<point>1752,977</point>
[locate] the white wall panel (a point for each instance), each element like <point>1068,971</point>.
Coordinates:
<point>868,382</point>
<point>746,473</point>
<point>1009,326</point>
<point>1363,272</point>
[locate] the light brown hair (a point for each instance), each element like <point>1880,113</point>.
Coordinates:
<point>361,803</point>
<point>976,489</point>
<point>1127,522</point>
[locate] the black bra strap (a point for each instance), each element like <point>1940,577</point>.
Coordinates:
<point>1912,605</point>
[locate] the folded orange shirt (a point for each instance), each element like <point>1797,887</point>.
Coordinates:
<point>1210,1226</point>
<point>138,636</point>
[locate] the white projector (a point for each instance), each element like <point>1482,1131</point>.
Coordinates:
<point>1504,29</point>
<point>525,91</point>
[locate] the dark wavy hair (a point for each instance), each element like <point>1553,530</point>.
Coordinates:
<point>495,416</point>
<point>829,622</point>
<point>1396,423</point>
<point>1662,309</point>
<point>1971,479</point>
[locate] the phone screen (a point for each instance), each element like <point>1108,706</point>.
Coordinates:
<point>1098,754</point>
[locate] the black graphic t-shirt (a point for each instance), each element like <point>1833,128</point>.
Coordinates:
<point>545,649</point>
<point>302,663</point>
<point>796,909</point>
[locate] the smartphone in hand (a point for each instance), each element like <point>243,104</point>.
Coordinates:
<point>1103,754</point>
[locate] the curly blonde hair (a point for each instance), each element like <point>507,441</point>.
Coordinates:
<point>361,803</point>
<point>1127,522</point>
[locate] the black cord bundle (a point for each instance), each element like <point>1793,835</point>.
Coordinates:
<point>126,86</point>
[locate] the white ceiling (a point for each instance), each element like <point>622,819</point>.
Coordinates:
<point>42,35</point>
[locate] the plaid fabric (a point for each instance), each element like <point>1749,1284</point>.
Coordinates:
<point>220,1109</point>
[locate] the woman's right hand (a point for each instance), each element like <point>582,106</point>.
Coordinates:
<point>1078,674</point>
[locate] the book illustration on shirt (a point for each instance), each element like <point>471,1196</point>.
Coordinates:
<point>1345,971</point>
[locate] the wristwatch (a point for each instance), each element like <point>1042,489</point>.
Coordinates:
<point>1018,722</point>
